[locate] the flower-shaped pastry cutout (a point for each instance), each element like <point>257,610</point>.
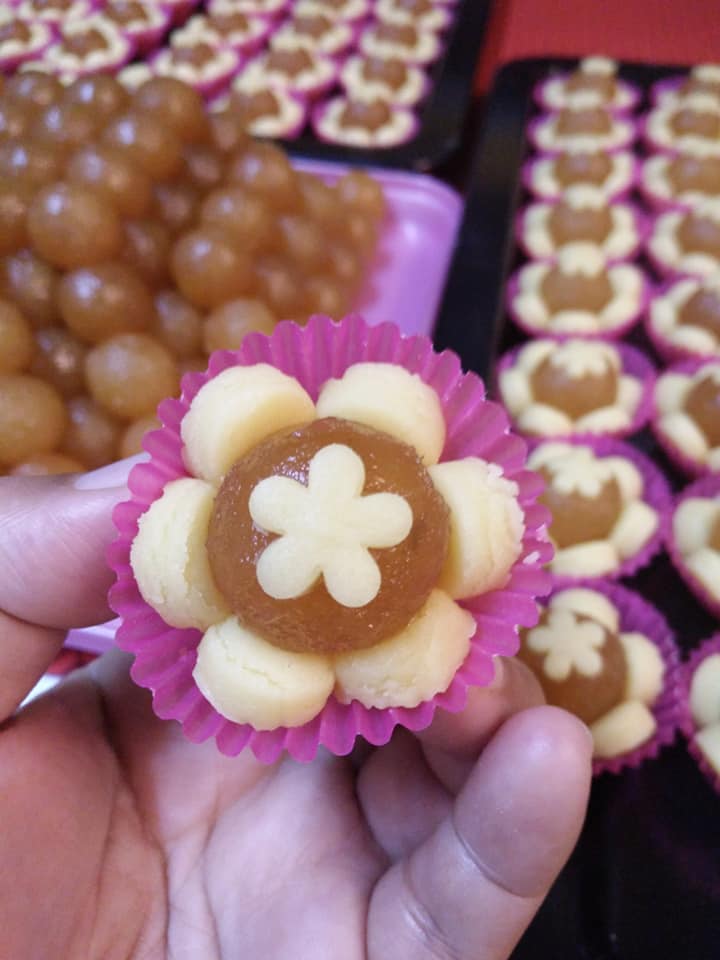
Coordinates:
<point>680,180</point>
<point>578,293</point>
<point>548,177</point>
<point>58,11</point>
<point>684,318</point>
<point>400,41</point>
<point>600,519</point>
<point>284,545</point>
<point>582,215</point>
<point>687,400</point>
<point>267,8</point>
<point>704,703</point>
<point>589,130</point>
<point>225,28</point>
<point>691,126</point>
<point>695,544</point>
<point>21,39</point>
<point>88,45</point>
<point>588,665</point>
<point>317,34</point>
<point>336,9</point>
<point>575,387</point>
<point>594,83</point>
<point>373,78</point>
<point>299,71</point>
<point>426,14</point>
<point>363,123</point>
<point>272,112</point>
<point>688,241</point>
<point>703,78</point>
<point>196,61</point>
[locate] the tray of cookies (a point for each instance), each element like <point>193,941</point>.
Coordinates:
<point>586,290</point>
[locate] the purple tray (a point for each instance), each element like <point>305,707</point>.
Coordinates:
<point>406,282</point>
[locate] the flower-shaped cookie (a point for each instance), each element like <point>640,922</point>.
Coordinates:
<point>87,45</point>
<point>317,33</point>
<point>238,30</point>
<point>336,9</point>
<point>704,703</point>
<point>144,22</point>
<point>425,14</point>
<point>400,41</point>
<point>691,126</point>
<point>687,423</point>
<point>703,78</point>
<point>363,123</point>
<point>268,8</point>
<point>575,387</point>
<point>299,71</point>
<point>265,113</point>
<point>578,293</point>
<point>594,83</point>
<point>196,62</point>
<point>588,664</point>
<point>684,318</point>
<point>590,131</point>
<point>56,12</point>
<point>548,177</point>
<point>687,241</point>
<point>321,547</point>
<point>581,215</point>
<point>20,39</point>
<point>373,78</point>
<point>695,541</point>
<point>680,180</point>
<point>602,523</point>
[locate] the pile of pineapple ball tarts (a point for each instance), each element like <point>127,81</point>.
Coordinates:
<point>138,233</point>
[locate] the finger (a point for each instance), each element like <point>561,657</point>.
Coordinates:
<point>471,889</point>
<point>452,743</point>
<point>53,574</point>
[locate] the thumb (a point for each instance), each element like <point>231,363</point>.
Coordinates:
<point>54,532</point>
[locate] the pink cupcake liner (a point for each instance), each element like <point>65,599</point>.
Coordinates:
<point>165,657</point>
<point>688,726</point>
<point>629,89</point>
<point>539,121</point>
<point>634,363</point>
<point>637,615</point>
<point>528,181</point>
<point>708,486</point>
<point>641,225</point>
<point>656,493</point>
<point>319,114</point>
<point>670,352</point>
<point>513,288</point>
<point>681,460</point>
<point>209,87</point>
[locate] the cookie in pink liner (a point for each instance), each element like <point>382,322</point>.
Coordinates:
<point>679,181</point>
<point>253,8</point>
<point>593,83</point>
<point>576,388</point>
<point>581,215</point>
<point>687,415</point>
<point>686,242</point>
<point>354,10</point>
<point>610,507</point>
<point>701,698</point>
<point>370,78</point>
<point>606,655</point>
<point>165,657</point>
<point>435,16</point>
<point>305,74</point>
<point>22,40</point>
<point>683,319</point>
<point>400,41</point>
<point>691,126</point>
<point>367,124</point>
<point>84,47</point>
<point>693,540</point>
<point>548,177</point>
<point>206,67</point>
<point>702,78</point>
<point>581,131</point>
<point>577,294</point>
<point>316,34</point>
<point>144,23</point>
<point>272,113</point>
<point>244,33</point>
<point>57,11</point>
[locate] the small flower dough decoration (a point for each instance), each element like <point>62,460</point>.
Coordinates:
<point>568,644</point>
<point>320,547</point>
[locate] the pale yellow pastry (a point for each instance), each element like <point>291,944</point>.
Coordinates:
<point>705,708</point>
<point>687,315</point>
<point>611,173</point>
<point>587,129</point>
<point>593,84</point>
<point>688,241</point>
<point>696,532</point>
<point>691,126</point>
<point>688,413</point>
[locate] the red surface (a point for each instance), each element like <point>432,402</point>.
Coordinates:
<point>659,31</point>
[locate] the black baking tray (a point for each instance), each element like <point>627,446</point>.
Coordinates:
<point>644,880</point>
<point>442,114</point>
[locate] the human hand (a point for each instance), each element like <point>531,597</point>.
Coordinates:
<point>120,839</point>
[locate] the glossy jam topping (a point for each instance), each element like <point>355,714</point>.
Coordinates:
<point>84,42</point>
<point>315,621</point>
<point>571,168</point>
<point>60,359</point>
<point>290,62</point>
<point>577,518</point>
<point>15,30</point>
<point>197,55</point>
<point>587,695</point>
<point>311,26</point>
<point>582,122</point>
<point>702,310</point>
<point>230,22</point>
<point>602,84</point>
<point>402,35</point>
<point>686,172</point>
<point>368,115</point>
<point>417,7</point>
<point>393,73</point>
<point>576,291</point>
<point>574,392</point>
<point>714,539</point>
<point>568,224</point>
<point>703,404</point>
<point>125,12</point>
<point>699,234</point>
<point>696,123</point>
<point>252,106</point>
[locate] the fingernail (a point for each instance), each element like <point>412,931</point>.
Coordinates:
<point>499,677</point>
<point>111,477</point>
